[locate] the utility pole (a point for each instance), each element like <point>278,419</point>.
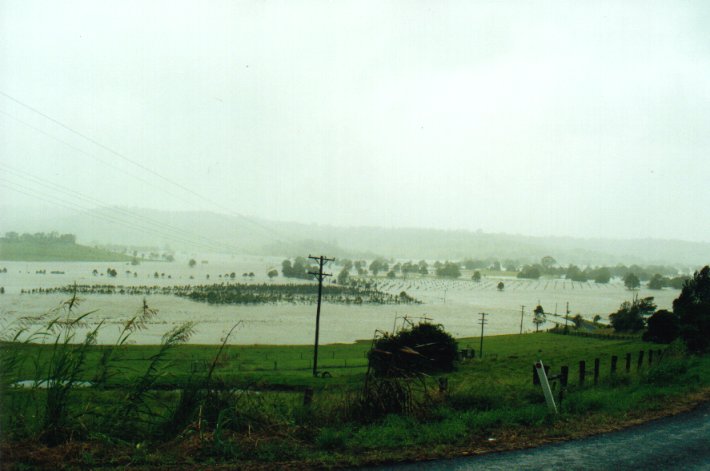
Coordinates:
<point>321,276</point>
<point>483,322</point>
<point>522,313</point>
<point>566,317</point>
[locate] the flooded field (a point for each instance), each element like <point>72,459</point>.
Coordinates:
<point>453,303</point>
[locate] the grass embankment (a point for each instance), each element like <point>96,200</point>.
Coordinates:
<point>35,251</point>
<point>251,409</point>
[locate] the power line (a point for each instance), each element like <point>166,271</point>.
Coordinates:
<point>121,156</point>
<point>75,207</point>
<point>161,226</point>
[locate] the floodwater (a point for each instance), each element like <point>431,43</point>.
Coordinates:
<point>454,303</point>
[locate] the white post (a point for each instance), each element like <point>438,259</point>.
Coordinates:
<point>549,398</point>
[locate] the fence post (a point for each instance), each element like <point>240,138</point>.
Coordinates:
<point>596,371</point>
<point>582,372</point>
<point>628,362</point>
<point>640,361</point>
<point>536,380</point>
<point>650,357</point>
<point>614,360</point>
<point>564,376</point>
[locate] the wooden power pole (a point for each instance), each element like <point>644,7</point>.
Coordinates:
<point>321,276</point>
<point>483,322</point>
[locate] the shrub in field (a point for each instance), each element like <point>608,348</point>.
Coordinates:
<point>662,327</point>
<point>423,348</point>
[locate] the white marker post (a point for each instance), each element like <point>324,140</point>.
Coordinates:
<point>549,398</point>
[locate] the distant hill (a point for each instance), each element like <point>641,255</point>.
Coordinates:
<point>203,231</point>
<point>36,248</point>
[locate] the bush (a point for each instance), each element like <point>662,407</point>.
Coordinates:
<point>425,348</point>
<point>662,327</point>
<point>693,310</point>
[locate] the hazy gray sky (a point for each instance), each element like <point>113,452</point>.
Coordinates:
<point>567,118</point>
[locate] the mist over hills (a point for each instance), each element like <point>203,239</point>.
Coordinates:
<point>203,231</point>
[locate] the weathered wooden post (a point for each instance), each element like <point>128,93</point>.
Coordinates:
<point>628,363</point>
<point>614,360</point>
<point>640,361</point>
<point>650,357</point>
<point>596,371</point>
<point>582,372</point>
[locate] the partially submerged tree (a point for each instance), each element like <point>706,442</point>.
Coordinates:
<point>631,281</point>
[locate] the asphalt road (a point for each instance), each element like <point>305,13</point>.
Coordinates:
<point>681,442</point>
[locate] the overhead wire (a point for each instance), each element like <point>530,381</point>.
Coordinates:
<point>159,226</point>
<point>270,231</point>
<point>14,186</point>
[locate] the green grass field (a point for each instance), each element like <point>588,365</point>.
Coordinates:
<point>156,407</point>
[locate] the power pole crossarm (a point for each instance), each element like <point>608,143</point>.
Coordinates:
<point>320,276</point>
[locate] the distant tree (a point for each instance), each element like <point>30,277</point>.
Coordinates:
<point>577,321</point>
<point>631,281</point>
<point>343,276</point>
<point>95,272</point>
<point>286,268</point>
<point>657,281</point>
<point>192,262</point>
<point>449,270</point>
<point>423,267</point>
<point>602,275</point>
<point>548,262</point>
<point>693,310</point>
<point>495,266</point>
<point>596,318</point>
<point>530,272</point>
<point>538,317</point>
<point>662,327</point>
<point>500,286</point>
<point>476,276</point>
<point>251,274</point>
<point>170,258</point>
<point>631,315</point>
<point>391,274</point>
<point>233,275</point>
<point>378,265</point>
<point>111,272</point>
<point>575,274</point>
<point>273,273</point>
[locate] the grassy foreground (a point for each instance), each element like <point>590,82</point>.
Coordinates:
<point>192,405</point>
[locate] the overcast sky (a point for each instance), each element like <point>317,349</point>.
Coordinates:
<point>571,118</point>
